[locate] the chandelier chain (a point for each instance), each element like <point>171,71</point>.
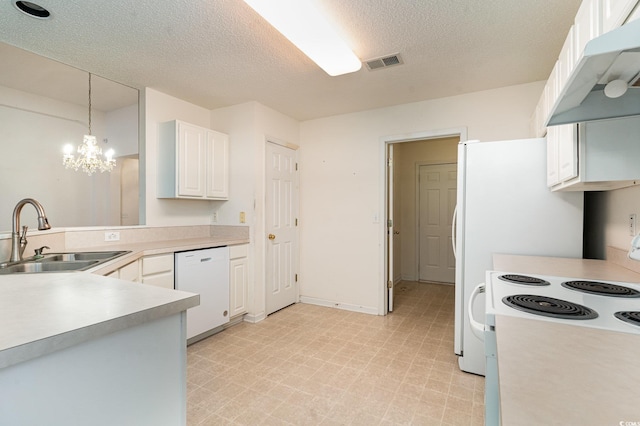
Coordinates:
<point>89,103</point>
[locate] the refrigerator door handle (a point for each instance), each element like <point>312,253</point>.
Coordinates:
<point>454,221</point>
<point>476,327</point>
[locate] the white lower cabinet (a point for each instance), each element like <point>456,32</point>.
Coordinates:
<point>129,272</point>
<point>238,279</point>
<point>158,270</point>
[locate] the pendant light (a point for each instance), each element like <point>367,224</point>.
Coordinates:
<point>90,158</point>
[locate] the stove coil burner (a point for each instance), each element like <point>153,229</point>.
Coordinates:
<point>549,307</point>
<point>632,317</point>
<point>523,279</point>
<point>602,289</point>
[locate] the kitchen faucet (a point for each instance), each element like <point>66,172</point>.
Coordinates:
<point>19,242</point>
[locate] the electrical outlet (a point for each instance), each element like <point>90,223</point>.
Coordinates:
<point>112,236</point>
<point>243,218</point>
<point>214,217</point>
<point>632,224</point>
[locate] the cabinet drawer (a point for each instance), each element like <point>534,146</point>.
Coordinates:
<point>157,264</point>
<point>161,280</point>
<point>238,251</point>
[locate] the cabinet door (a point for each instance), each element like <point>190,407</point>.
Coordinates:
<point>587,26</point>
<point>635,14</point>
<point>191,164</point>
<point>130,272</point>
<point>238,286</point>
<point>615,12</point>
<point>552,156</point>
<point>567,152</point>
<point>217,165</point>
<point>566,61</point>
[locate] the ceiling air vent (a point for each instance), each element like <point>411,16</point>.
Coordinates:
<point>384,62</point>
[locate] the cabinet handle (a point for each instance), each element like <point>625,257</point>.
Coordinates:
<point>272,237</point>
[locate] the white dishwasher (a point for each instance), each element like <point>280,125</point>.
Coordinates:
<point>205,272</point>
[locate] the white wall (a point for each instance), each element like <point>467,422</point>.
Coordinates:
<point>342,181</point>
<point>160,108</point>
<point>617,206</point>
<point>33,132</point>
<point>249,125</point>
<point>122,130</point>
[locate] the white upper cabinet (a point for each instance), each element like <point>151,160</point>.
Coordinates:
<point>193,162</point>
<point>562,153</point>
<point>587,25</point>
<point>615,13</point>
<point>566,61</point>
<point>596,155</point>
<point>217,149</point>
<point>635,14</point>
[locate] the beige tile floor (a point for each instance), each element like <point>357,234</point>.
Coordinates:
<point>310,365</point>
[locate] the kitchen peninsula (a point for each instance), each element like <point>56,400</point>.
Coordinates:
<point>81,348</point>
<point>78,348</point>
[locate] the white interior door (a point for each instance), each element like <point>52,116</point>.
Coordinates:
<point>437,200</point>
<point>390,234</point>
<point>281,212</point>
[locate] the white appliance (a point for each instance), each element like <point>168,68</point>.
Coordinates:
<point>560,350</point>
<point>205,272</point>
<point>504,206</point>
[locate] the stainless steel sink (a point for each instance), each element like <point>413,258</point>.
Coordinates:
<point>48,266</point>
<point>61,262</point>
<point>84,255</point>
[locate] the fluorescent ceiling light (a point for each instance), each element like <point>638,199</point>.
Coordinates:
<point>303,24</point>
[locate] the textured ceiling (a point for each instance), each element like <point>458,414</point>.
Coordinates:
<point>217,53</point>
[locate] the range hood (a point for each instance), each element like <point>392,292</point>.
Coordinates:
<point>614,56</point>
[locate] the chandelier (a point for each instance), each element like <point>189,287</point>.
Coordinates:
<point>89,158</point>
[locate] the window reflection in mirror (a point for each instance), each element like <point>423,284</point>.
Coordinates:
<point>43,107</point>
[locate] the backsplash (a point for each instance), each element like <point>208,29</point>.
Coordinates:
<point>65,239</point>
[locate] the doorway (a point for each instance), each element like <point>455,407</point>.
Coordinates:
<point>402,244</point>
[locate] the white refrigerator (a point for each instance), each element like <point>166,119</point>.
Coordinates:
<point>504,206</point>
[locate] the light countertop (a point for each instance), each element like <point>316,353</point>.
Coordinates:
<point>564,267</point>
<point>46,312</point>
<point>140,250</point>
<point>43,313</point>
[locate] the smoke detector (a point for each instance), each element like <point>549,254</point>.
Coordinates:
<point>384,62</point>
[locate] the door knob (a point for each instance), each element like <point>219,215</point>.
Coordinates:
<point>272,237</point>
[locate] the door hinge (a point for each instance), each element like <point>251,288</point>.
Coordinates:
<point>296,277</point>
<point>389,223</point>
<point>296,221</point>
<point>296,167</point>
<point>389,162</point>
<point>389,284</point>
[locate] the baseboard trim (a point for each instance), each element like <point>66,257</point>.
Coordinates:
<point>254,318</point>
<point>344,306</point>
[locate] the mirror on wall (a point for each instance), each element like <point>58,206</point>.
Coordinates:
<point>44,105</point>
